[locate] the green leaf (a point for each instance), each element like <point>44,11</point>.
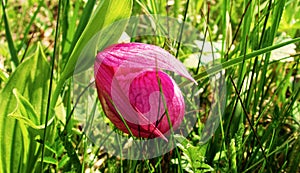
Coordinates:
<point>25,113</point>
<point>18,151</point>
<point>86,14</point>
<point>64,160</point>
<point>49,160</point>
<point>195,155</point>
<point>104,28</point>
<point>24,108</point>
<point>11,46</point>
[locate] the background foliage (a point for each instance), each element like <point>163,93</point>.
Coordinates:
<point>256,47</point>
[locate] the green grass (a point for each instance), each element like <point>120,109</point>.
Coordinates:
<point>43,105</point>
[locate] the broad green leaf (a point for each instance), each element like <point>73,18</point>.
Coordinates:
<point>25,113</point>
<point>24,108</point>
<point>104,28</point>
<point>73,31</point>
<point>18,151</point>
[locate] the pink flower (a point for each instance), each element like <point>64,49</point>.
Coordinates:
<point>135,92</point>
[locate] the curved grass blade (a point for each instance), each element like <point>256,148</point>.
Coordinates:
<point>10,42</point>
<point>232,62</point>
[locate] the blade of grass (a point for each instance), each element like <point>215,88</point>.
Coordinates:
<point>232,62</point>
<point>276,16</point>
<point>81,26</point>
<point>10,42</point>
<point>51,82</point>
<point>254,69</point>
<point>65,23</point>
<point>181,28</point>
<point>249,121</point>
<point>290,140</point>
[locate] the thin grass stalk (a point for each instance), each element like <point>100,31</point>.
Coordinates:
<point>51,83</point>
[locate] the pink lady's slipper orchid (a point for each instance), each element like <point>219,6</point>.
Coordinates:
<point>135,93</point>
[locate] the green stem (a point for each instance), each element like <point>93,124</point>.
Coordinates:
<point>49,107</point>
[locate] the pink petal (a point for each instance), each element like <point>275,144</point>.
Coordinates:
<point>126,79</point>
<point>139,55</point>
<point>145,95</point>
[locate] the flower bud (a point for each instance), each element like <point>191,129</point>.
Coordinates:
<point>135,93</point>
